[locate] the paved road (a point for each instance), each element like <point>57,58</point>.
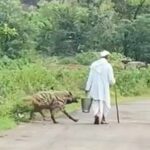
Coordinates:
<point>133,133</point>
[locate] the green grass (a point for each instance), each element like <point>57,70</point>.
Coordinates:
<point>124,99</point>
<point>6,123</point>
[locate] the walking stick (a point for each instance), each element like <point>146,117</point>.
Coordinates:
<point>116,102</point>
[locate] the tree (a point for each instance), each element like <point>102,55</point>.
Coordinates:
<point>129,9</point>
<point>133,38</point>
<point>15,29</point>
<point>63,31</point>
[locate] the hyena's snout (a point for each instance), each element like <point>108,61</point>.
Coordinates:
<point>75,100</point>
<point>72,100</point>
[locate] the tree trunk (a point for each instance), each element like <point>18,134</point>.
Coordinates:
<point>125,45</point>
<point>138,8</point>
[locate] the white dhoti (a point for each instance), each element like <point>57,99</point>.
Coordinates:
<point>99,108</point>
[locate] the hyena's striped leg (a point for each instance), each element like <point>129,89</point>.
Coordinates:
<point>52,116</point>
<point>34,110</point>
<point>31,114</point>
<point>42,114</point>
<point>64,111</point>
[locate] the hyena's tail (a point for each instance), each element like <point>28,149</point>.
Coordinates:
<point>28,100</point>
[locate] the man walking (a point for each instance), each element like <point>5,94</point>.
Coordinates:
<point>100,78</point>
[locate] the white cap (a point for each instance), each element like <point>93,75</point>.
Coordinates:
<point>104,53</point>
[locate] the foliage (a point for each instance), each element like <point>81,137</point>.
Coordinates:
<point>134,38</point>
<point>15,30</point>
<point>65,28</point>
<point>132,81</point>
<point>86,58</point>
<point>6,123</point>
<point>62,30</point>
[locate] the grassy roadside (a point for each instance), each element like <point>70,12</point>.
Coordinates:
<point>6,123</point>
<point>132,99</point>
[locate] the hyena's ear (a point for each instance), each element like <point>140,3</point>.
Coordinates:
<point>52,88</point>
<point>70,93</point>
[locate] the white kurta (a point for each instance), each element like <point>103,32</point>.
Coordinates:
<point>100,78</point>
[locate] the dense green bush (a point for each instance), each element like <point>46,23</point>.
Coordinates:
<point>16,30</point>
<point>68,60</point>
<point>86,58</point>
<point>132,82</point>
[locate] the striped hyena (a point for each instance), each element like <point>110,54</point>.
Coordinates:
<point>54,101</point>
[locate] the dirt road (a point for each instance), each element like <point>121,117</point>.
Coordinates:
<point>133,133</point>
